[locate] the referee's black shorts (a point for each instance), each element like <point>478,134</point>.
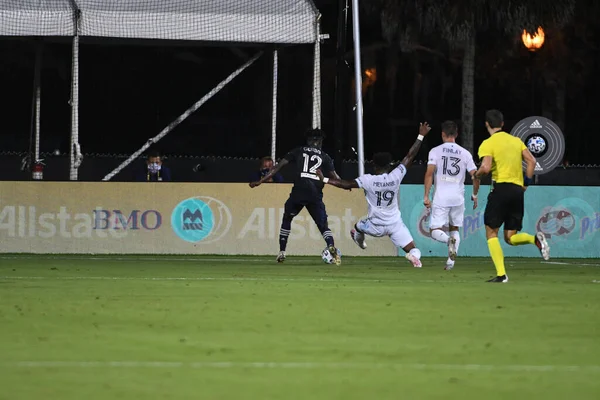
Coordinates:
<point>506,206</point>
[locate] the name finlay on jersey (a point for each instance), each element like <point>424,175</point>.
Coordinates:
<point>451,150</point>
<point>538,167</point>
<point>536,124</point>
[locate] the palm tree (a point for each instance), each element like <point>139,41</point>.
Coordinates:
<point>459,21</point>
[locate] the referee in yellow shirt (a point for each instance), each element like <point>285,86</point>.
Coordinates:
<point>502,155</point>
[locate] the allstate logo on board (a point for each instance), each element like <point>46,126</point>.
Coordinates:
<point>201,219</point>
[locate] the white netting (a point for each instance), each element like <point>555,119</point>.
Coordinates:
<point>256,21</point>
<point>36,18</point>
<point>260,23</point>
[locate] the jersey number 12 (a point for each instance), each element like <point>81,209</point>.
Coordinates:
<point>318,161</point>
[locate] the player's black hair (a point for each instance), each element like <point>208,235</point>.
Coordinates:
<point>450,128</point>
<point>494,118</point>
<point>314,137</point>
<point>382,160</point>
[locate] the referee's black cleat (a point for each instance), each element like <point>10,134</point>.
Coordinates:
<point>499,279</point>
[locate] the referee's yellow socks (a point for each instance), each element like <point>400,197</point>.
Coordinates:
<point>497,255</point>
<point>521,239</point>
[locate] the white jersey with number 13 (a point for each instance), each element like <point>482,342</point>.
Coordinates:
<point>451,165</point>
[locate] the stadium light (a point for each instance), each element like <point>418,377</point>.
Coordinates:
<point>535,41</point>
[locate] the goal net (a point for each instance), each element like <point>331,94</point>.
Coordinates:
<point>176,72</point>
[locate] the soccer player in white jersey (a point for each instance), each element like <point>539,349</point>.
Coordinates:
<point>382,193</point>
<point>448,163</point>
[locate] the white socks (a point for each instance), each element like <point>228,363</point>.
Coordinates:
<point>456,236</point>
<point>440,235</point>
<point>416,252</point>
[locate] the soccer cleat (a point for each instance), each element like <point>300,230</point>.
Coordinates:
<point>542,245</point>
<point>359,238</point>
<point>336,257</point>
<point>281,257</point>
<point>499,279</point>
<point>452,248</point>
<point>414,260</point>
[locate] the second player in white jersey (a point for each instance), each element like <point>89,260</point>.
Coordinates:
<point>382,190</point>
<point>451,163</point>
<point>447,167</point>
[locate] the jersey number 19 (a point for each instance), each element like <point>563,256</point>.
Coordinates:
<point>388,196</point>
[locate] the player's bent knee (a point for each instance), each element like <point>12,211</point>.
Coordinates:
<point>508,236</point>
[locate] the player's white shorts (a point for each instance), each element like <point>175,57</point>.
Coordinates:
<point>397,232</point>
<point>446,215</point>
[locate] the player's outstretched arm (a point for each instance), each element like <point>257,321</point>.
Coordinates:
<point>271,173</point>
<point>342,184</point>
<point>428,183</point>
<point>424,129</point>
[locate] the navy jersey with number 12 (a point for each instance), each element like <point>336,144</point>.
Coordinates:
<point>307,161</point>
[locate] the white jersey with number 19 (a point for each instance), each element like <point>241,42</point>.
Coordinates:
<point>381,192</point>
<point>452,163</point>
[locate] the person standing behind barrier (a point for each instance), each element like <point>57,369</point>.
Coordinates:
<point>266,163</point>
<point>154,170</point>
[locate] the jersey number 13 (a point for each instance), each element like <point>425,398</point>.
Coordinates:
<point>454,168</point>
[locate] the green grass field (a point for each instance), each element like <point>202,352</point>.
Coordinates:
<point>75,327</point>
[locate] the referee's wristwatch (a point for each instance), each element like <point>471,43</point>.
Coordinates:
<point>527,180</point>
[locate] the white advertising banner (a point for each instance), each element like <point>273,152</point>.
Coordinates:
<point>169,218</point>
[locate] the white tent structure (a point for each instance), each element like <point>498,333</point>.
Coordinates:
<point>242,21</point>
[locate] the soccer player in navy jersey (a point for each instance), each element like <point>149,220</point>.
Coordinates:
<point>307,190</point>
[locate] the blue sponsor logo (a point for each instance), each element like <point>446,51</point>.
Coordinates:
<point>201,219</point>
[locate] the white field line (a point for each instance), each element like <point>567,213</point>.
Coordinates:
<point>198,259</point>
<point>574,264</point>
<point>206,278</point>
<point>299,365</point>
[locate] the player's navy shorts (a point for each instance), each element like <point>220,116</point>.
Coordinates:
<point>314,206</point>
<point>505,205</point>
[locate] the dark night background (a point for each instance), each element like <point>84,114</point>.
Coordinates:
<point>129,91</point>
